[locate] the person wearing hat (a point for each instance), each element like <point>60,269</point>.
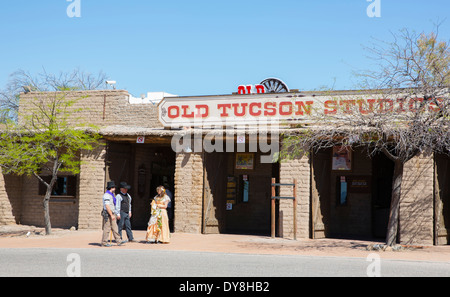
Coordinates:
<point>124,206</point>
<point>109,216</point>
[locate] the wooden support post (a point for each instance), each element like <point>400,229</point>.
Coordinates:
<point>273,209</point>
<point>294,199</point>
<point>295,209</point>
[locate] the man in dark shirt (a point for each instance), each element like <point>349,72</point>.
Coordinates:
<point>123,203</point>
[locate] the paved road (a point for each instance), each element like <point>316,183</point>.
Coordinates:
<point>101,262</point>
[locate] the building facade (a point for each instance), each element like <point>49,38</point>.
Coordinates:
<point>229,190</point>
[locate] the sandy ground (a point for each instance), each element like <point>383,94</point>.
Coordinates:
<point>16,236</point>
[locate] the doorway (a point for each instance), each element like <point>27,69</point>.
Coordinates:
<point>236,196</point>
<point>350,203</point>
<point>442,200</point>
<point>320,193</point>
<point>382,176</point>
<point>144,167</point>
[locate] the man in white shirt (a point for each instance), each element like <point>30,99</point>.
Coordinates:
<point>109,215</point>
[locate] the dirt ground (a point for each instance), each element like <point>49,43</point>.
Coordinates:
<point>18,236</point>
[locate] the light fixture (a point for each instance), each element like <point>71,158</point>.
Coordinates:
<point>112,83</point>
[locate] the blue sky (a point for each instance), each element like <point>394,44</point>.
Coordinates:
<point>201,47</point>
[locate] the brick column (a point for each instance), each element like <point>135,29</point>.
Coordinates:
<point>416,202</point>
<point>189,193</point>
<point>91,187</point>
<point>298,168</point>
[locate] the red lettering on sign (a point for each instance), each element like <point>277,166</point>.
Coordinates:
<point>170,114</point>
<point>256,107</point>
<point>251,110</point>
<point>243,109</point>
<point>185,112</point>
<point>414,104</point>
<point>260,89</point>
<point>283,112</point>
<point>330,107</point>
<point>224,109</point>
<point>435,106</point>
<point>241,90</point>
<point>347,104</point>
<point>400,102</point>
<point>302,107</point>
<point>205,111</point>
<point>270,111</point>
<point>250,89</point>
<point>363,103</point>
<point>386,105</point>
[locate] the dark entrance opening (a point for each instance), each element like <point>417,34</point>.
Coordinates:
<point>442,200</point>
<point>351,203</point>
<point>382,175</point>
<point>162,174</point>
<point>144,167</point>
<point>236,194</point>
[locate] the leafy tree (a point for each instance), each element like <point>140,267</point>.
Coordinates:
<point>46,142</point>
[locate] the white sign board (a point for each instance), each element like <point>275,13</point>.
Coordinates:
<point>268,108</point>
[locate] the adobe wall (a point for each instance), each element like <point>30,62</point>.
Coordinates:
<point>96,109</point>
<point>10,202</point>
<point>63,212</point>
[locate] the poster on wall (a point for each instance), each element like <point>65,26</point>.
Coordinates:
<point>244,161</point>
<point>342,159</point>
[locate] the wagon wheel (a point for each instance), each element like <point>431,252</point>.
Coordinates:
<point>274,85</point>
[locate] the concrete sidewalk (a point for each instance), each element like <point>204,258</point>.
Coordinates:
<point>17,236</point>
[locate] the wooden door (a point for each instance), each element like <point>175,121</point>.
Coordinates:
<point>119,165</point>
<point>214,192</point>
<point>320,198</point>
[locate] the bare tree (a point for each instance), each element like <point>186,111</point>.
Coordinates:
<point>404,110</point>
<point>21,81</point>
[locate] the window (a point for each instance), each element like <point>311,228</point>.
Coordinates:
<point>64,186</point>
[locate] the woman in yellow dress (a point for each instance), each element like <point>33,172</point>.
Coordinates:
<point>158,226</point>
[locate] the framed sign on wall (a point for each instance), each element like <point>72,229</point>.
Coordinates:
<point>342,159</point>
<point>244,161</point>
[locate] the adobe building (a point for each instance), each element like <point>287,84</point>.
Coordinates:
<point>177,143</point>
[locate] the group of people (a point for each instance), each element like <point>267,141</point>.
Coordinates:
<point>117,214</point>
